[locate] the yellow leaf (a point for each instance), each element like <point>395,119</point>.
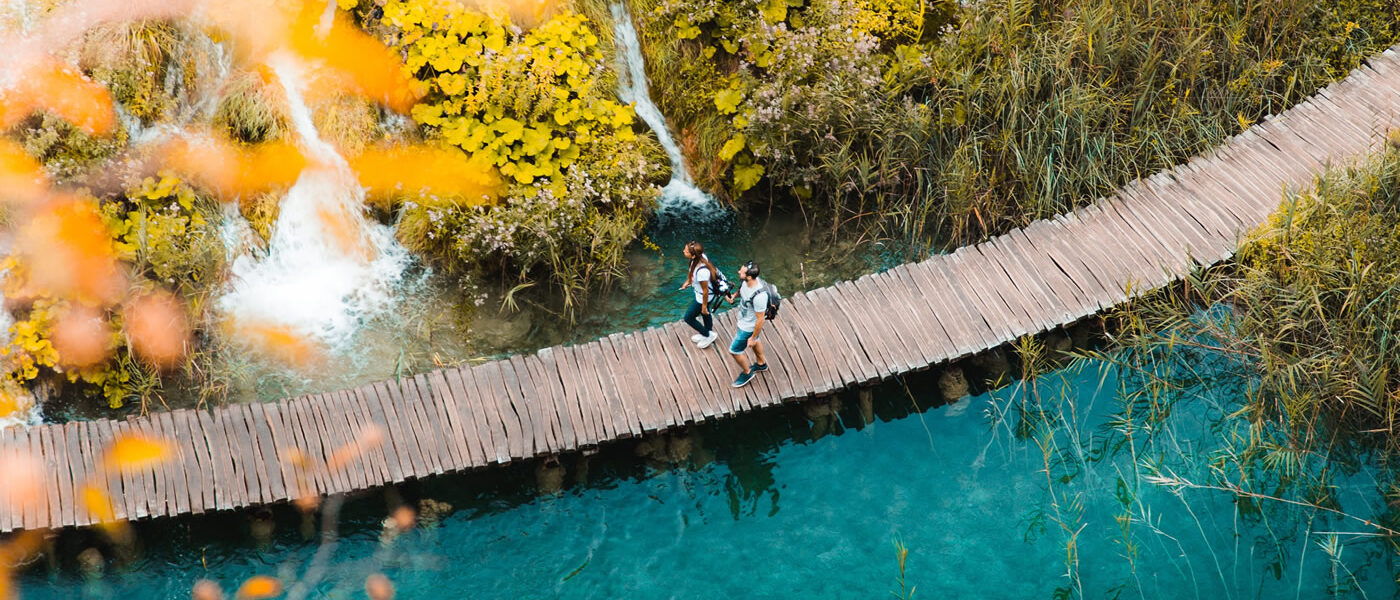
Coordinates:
<point>732,147</point>
<point>98,504</point>
<point>136,451</point>
<point>747,176</point>
<point>727,100</point>
<point>259,587</point>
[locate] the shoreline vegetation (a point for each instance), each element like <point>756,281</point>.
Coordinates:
<point>918,123</point>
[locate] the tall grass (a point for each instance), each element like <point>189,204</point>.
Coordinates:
<point>1033,107</point>
<point>1310,315</point>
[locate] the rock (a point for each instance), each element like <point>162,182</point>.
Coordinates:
<point>952,384</point>
<point>1081,336</point>
<point>867,405</point>
<point>994,365</point>
<point>549,476</point>
<point>678,447</point>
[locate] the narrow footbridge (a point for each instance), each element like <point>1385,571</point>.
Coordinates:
<point>565,398</point>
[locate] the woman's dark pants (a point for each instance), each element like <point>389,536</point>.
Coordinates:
<point>693,318</point>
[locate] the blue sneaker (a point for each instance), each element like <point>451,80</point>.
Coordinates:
<point>758,368</point>
<point>743,379</point>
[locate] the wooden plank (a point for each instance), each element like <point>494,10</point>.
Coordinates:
<point>78,467</point>
<point>458,431</point>
<point>571,367</point>
<point>370,418</point>
<point>659,360</point>
<point>201,478</point>
<point>836,360</point>
<point>276,415</point>
<point>348,450</point>
<point>410,456</point>
<point>571,418</point>
<point>487,419</point>
<point>825,369</point>
<point>359,423</point>
<point>53,507</point>
<point>862,331</point>
<point>315,419</point>
<point>309,470</point>
<point>535,444</point>
<point>863,295</point>
<point>492,386</point>
<point>245,453</point>
<point>178,469</point>
<point>955,329</point>
<point>641,412</point>
<point>395,446</point>
<point>267,446</point>
<point>1044,277</point>
<point>694,381</point>
<point>418,398</point>
<point>220,464</point>
<point>392,471</point>
<point>630,351</point>
<point>923,338</point>
<point>138,485</point>
<point>1027,283</point>
<point>840,333</point>
<point>67,500</point>
<point>489,438</point>
<point>937,282</point>
<point>808,377</point>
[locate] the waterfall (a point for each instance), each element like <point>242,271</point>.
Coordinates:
<point>680,195</point>
<point>327,267</point>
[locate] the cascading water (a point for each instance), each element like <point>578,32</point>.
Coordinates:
<point>327,267</point>
<point>680,195</point>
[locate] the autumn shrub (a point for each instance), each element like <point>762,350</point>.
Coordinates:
<point>956,121</point>
<point>540,105</point>
<point>166,234</point>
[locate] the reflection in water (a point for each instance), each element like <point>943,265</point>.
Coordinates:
<point>1045,501</point>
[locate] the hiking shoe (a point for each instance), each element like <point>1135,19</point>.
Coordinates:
<point>743,379</point>
<point>696,338</point>
<point>757,368</point>
<point>705,342</point>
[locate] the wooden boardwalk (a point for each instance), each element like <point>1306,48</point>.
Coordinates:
<point>1049,274</point>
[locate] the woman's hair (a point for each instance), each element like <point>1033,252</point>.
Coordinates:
<point>697,256</point>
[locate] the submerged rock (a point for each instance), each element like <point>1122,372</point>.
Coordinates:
<point>952,384</point>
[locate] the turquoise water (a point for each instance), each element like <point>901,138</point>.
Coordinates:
<point>767,506</point>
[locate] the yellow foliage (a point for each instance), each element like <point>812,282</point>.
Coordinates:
<point>134,451</point>
<point>523,102</point>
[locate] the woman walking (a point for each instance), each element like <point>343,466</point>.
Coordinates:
<point>702,276</point>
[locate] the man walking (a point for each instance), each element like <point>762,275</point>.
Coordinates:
<point>753,305</point>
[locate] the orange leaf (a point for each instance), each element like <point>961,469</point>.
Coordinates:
<point>135,451</point>
<point>98,503</point>
<point>442,172</point>
<point>278,342</point>
<point>206,590</point>
<point>157,327</point>
<point>48,85</point>
<point>378,587</point>
<point>81,337</point>
<point>223,168</point>
<point>22,179</point>
<point>354,61</point>
<point>258,587</point>
<point>69,252</point>
<point>23,479</point>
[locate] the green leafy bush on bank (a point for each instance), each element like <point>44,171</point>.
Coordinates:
<point>999,112</point>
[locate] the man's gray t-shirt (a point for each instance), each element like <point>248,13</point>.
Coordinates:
<point>753,300</point>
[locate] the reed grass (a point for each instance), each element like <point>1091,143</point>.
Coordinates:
<point>1033,107</point>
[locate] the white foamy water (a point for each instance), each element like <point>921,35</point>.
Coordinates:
<point>327,267</point>
<point>680,194</point>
